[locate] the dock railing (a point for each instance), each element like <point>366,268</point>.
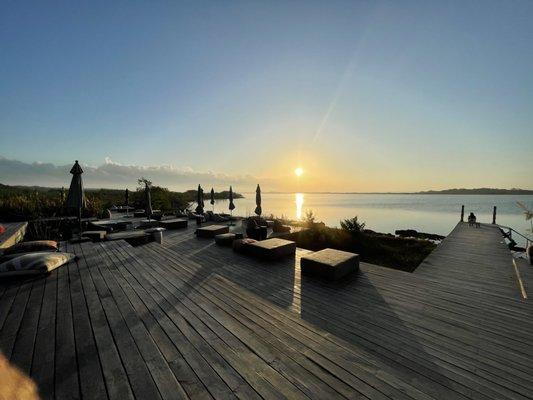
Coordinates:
<point>510,231</point>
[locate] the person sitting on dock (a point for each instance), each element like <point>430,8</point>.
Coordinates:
<point>472,220</point>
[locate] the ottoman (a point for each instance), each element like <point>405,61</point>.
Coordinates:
<point>329,263</point>
<point>225,239</point>
<point>272,249</point>
<point>175,223</point>
<point>95,236</point>
<point>211,231</point>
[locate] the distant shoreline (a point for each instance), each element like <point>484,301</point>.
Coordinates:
<point>514,192</point>
<point>461,191</point>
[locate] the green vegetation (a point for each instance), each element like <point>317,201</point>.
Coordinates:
<point>24,203</point>
<point>492,191</point>
<point>376,248</point>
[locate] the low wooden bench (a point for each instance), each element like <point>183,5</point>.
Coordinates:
<point>329,263</point>
<point>95,236</point>
<point>271,249</point>
<point>175,223</point>
<point>225,239</point>
<point>135,238</point>
<point>211,231</point>
<point>149,223</point>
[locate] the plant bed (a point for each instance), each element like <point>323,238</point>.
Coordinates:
<point>376,248</point>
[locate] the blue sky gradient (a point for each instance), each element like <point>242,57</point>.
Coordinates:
<point>365,96</point>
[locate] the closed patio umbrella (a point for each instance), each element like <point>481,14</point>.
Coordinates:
<point>76,195</point>
<point>127,200</point>
<point>148,199</point>
<point>213,198</point>
<point>200,200</point>
<point>258,209</point>
<point>231,205</point>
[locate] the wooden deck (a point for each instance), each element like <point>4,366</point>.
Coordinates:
<point>191,319</point>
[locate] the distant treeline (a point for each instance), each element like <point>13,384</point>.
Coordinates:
<point>22,203</point>
<point>479,191</point>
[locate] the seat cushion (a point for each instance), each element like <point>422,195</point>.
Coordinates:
<point>34,263</point>
<point>28,247</point>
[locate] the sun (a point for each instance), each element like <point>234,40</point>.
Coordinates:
<point>299,171</point>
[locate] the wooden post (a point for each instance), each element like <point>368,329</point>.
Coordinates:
<point>494,215</point>
<point>462,213</point>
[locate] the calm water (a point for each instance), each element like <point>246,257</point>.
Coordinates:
<point>386,213</point>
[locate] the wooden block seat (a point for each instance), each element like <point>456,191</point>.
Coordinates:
<point>211,231</point>
<point>175,223</point>
<point>115,224</point>
<point>95,236</point>
<point>330,263</point>
<point>225,239</point>
<point>149,223</point>
<point>135,238</point>
<point>271,249</point>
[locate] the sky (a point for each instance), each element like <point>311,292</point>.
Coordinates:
<point>363,95</point>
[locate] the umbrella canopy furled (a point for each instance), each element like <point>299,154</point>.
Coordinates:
<point>148,200</point>
<point>76,194</point>
<point>231,205</point>
<point>127,198</point>
<point>258,209</point>
<point>200,200</point>
<point>212,197</point>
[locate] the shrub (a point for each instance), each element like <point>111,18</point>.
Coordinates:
<point>353,226</point>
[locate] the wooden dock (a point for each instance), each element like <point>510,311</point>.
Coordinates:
<point>189,319</point>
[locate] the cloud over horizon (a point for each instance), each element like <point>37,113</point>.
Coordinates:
<point>112,174</point>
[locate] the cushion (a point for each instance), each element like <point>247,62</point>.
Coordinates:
<point>28,247</point>
<point>2,229</point>
<point>34,263</point>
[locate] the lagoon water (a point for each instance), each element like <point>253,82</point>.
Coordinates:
<point>388,212</point>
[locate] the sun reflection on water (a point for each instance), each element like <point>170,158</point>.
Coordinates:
<point>299,200</point>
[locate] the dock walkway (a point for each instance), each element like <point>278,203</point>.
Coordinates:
<point>189,319</point>
<point>476,260</point>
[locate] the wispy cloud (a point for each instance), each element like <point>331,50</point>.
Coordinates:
<point>112,174</point>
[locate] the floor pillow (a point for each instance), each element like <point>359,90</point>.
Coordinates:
<point>29,247</point>
<point>34,263</point>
